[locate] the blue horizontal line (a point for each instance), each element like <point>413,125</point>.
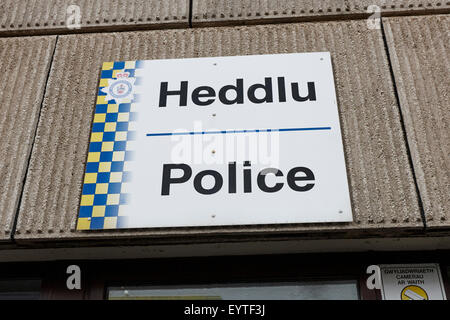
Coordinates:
<point>235,131</point>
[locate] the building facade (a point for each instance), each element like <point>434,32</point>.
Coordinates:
<point>391,72</point>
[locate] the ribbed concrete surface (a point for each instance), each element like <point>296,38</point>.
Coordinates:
<point>211,12</point>
<point>381,183</point>
<point>46,16</point>
<point>24,65</point>
<point>420,51</point>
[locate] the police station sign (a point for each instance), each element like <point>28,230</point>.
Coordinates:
<point>215,141</point>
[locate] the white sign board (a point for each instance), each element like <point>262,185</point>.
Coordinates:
<point>412,282</point>
<point>216,141</point>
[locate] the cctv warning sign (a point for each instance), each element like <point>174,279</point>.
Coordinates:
<point>215,141</point>
<point>412,282</point>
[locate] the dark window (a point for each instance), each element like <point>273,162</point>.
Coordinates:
<point>20,289</point>
<point>320,290</point>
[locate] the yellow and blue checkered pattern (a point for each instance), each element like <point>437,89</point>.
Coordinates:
<point>104,195</point>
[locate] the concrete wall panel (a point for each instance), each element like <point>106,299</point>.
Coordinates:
<point>24,66</point>
<point>51,16</point>
<point>382,187</point>
<point>215,12</point>
<point>420,52</point>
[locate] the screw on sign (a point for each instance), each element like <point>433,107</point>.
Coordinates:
<point>414,293</point>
